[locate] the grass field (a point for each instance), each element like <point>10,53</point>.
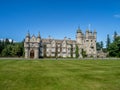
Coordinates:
<point>59,74</point>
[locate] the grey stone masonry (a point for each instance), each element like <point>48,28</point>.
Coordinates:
<point>36,47</point>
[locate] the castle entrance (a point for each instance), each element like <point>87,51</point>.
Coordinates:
<point>32,54</point>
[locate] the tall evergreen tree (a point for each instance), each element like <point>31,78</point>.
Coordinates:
<point>115,35</point>
<point>114,48</point>
<point>101,44</point>
<point>7,41</point>
<point>98,47</point>
<point>108,41</point>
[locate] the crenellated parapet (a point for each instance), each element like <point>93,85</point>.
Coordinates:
<point>36,47</point>
<point>87,41</point>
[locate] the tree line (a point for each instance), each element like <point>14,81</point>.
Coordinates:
<point>16,49</point>
<point>11,49</point>
<point>112,46</point>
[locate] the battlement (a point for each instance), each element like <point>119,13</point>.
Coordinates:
<point>36,47</point>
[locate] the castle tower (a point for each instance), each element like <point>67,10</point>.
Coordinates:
<point>27,39</point>
<point>87,34</point>
<point>90,33</point>
<point>95,34</point>
<point>26,45</point>
<point>90,43</point>
<point>32,46</point>
<point>79,36</point>
<point>38,38</point>
<point>94,43</point>
<point>79,40</point>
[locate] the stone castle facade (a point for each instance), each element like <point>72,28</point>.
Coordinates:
<point>36,47</point>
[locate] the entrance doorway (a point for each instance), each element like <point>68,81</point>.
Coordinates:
<point>32,54</point>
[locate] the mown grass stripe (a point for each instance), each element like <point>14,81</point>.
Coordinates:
<point>59,74</point>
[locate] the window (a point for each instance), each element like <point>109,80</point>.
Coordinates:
<point>53,53</point>
<point>58,49</point>
<point>64,50</point>
<point>53,50</point>
<point>47,50</point>
<point>92,47</point>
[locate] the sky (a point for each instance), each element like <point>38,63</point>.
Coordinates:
<point>58,18</point>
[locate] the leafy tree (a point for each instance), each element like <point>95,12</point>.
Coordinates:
<point>114,48</point>
<point>1,46</point>
<point>7,51</point>
<point>19,51</point>
<point>10,49</point>
<point>83,53</point>
<point>77,51</point>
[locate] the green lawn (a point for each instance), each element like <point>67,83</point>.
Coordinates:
<point>59,74</point>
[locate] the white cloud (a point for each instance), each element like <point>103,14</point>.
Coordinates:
<point>117,15</point>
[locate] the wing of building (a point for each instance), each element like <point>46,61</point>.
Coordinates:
<point>36,47</point>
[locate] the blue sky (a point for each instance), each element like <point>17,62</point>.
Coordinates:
<point>58,18</point>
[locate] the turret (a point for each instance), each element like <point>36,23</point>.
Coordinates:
<point>26,45</point>
<point>38,38</point>
<point>90,33</point>
<point>87,33</point>
<point>95,34</point>
<point>27,39</point>
<point>79,36</point>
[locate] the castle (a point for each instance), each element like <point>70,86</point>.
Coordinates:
<point>36,47</point>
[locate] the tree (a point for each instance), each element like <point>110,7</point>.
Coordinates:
<point>12,49</point>
<point>98,46</point>
<point>77,51</point>
<point>19,51</point>
<point>115,35</point>
<point>7,41</point>
<point>101,44</point>
<point>71,51</point>
<point>7,51</point>
<point>1,46</point>
<point>56,51</point>
<point>108,42</point>
<point>44,47</point>
<point>83,53</point>
<point>114,48</point>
